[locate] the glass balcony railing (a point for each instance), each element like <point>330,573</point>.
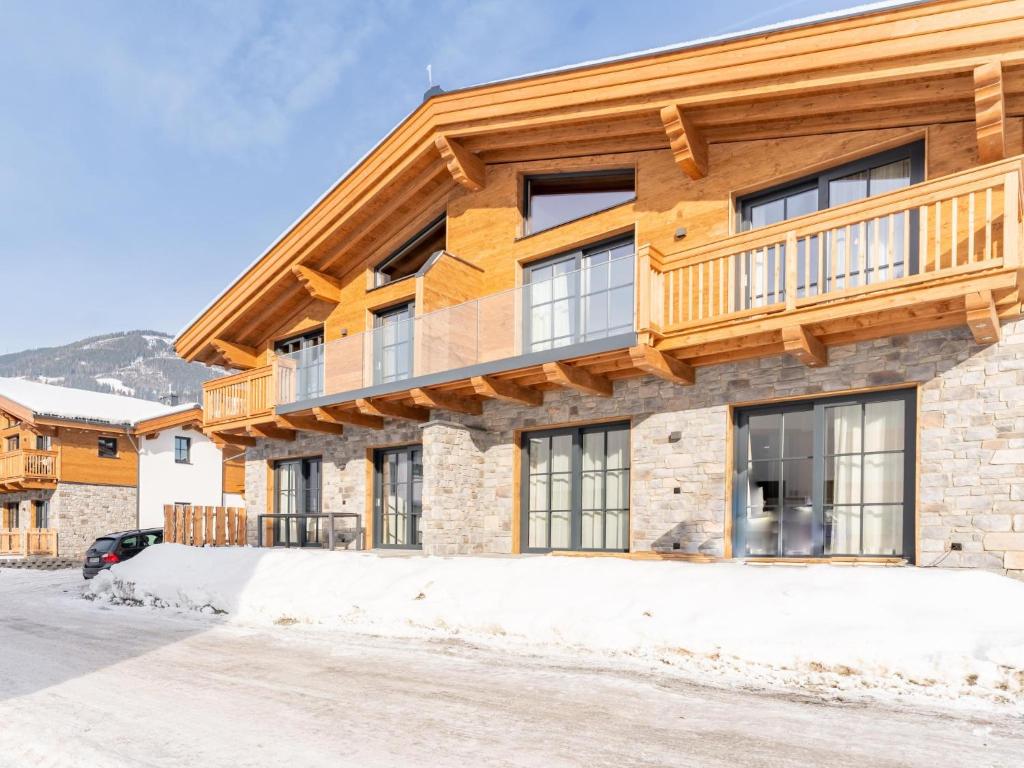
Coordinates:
<point>588,304</point>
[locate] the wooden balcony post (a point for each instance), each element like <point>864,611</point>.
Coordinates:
<point>792,271</point>
<point>1011,219</point>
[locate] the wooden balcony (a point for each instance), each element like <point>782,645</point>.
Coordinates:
<point>239,399</point>
<point>27,468</point>
<point>931,255</point>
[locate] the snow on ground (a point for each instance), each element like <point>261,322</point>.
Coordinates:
<point>954,636</point>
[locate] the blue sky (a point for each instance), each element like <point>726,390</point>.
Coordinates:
<point>149,151</point>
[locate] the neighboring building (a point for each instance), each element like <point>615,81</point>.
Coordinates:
<point>754,297</point>
<point>77,464</point>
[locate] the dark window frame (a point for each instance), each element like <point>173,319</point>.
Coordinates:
<point>41,513</point>
<point>379,316</point>
<point>179,457</point>
<point>379,455</point>
<point>309,370</point>
<point>13,443</point>
<point>103,447</point>
<point>44,443</point>
<point>817,406</point>
<point>532,178</point>
<point>576,494</point>
<point>308,532</point>
<point>405,248</point>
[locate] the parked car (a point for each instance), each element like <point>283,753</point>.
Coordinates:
<point>118,547</point>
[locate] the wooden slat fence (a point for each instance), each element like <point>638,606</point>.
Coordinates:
<point>28,541</point>
<point>205,526</point>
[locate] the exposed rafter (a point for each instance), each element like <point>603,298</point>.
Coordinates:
<point>982,318</point>
<point>317,284</point>
<point>571,377</point>
<point>990,111</point>
<point>339,416</point>
<point>467,169</point>
<point>228,438</point>
<point>804,346</point>
<point>237,355</point>
<point>650,360</point>
<point>307,424</point>
<point>386,408</point>
<point>689,146</point>
<point>499,389</point>
<point>271,432</point>
<point>443,401</point>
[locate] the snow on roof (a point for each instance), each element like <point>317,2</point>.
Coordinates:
<point>83,405</point>
<point>845,13</point>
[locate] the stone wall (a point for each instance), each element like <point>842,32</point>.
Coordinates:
<point>970,427</point>
<point>82,512</point>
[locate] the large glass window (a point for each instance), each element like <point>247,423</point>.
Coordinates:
<point>829,477</point>
<point>576,489</point>
<point>580,296</point>
<point>393,344</point>
<point>297,491</point>
<point>398,497</point>
<point>880,251</point>
<point>41,514</point>
<point>554,199</point>
<point>307,354</point>
<point>414,254</point>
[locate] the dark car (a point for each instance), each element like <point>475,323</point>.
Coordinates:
<point>118,547</point>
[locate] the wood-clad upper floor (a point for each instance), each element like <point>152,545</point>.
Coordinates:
<point>701,131</point>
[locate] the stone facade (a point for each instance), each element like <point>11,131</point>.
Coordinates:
<point>80,512</point>
<point>970,435</point>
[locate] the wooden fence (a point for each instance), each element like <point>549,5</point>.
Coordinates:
<point>28,541</point>
<point>205,526</point>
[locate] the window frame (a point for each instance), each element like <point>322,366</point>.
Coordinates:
<point>188,449</point>
<point>309,371</point>
<point>41,511</point>
<point>817,406</point>
<point>378,317</point>
<point>404,249</point>
<point>302,502</point>
<point>379,455</point>
<point>13,443</point>
<point>105,453</point>
<point>576,493</point>
<point>530,178</point>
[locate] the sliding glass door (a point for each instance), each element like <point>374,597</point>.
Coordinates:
<point>297,489</point>
<point>398,497</point>
<point>832,477</point>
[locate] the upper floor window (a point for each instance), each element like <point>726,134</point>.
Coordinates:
<point>557,198</point>
<point>393,344</point>
<point>13,443</point>
<point>182,449</point>
<point>43,442</point>
<point>413,254</point>
<point>306,353</point>
<point>107,447</point>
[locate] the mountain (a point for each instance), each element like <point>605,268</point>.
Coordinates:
<point>137,363</point>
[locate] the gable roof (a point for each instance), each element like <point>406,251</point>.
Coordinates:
<point>50,401</point>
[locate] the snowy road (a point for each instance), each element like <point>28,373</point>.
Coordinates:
<point>84,683</point>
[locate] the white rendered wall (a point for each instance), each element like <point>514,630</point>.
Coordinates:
<point>163,481</point>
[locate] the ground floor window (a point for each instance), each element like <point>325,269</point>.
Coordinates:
<point>41,514</point>
<point>11,515</point>
<point>297,488</point>
<point>398,497</point>
<point>575,489</point>
<point>827,477</point>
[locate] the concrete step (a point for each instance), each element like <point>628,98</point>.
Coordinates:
<point>40,563</point>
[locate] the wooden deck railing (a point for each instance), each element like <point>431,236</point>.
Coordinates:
<point>28,541</point>
<point>965,222</point>
<point>28,464</point>
<point>204,526</point>
<point>238,397</point>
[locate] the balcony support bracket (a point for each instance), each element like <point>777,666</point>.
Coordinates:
<point>426,398</point>
<point>467,169</point>
<point>338,416</point>
<point>499,389</point>
<point>689,147</point>
<point>982,318</point>
<point>237,355</point>
<point>990,111</point>
<point>222,438</point>
<point>804,346</point>
<point>271,432</point>
<point>317,284</point>
<point>308,424</point>
<point>583,381</point>
<point>386,408</point>
<point>650,360</point>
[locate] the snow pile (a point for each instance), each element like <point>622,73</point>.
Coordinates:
<point>947,633</point>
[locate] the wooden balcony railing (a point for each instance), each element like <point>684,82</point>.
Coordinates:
<point>239,397</point>
<point>28,465</point>
<point>963,223</point>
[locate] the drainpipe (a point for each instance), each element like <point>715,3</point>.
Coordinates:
<point>138,475</point>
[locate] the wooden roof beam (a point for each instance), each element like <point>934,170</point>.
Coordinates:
<point>650,360</point>
<point>443,401</point>
<point>227,438</point>
<point>331,415</point>
<point>982,318</point>
<point>317,284</point>
<point>804,346</point>
<point>467,169</point>
<point>498,389</point>
<point>990,111</point>
<point>689,147</point>
<point>571,377</point>
<point>237,355</point>
<point>271,432</point>
<point>387,408</point>
<point>307,424</point>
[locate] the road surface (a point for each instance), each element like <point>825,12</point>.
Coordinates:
<point>84,683</point>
